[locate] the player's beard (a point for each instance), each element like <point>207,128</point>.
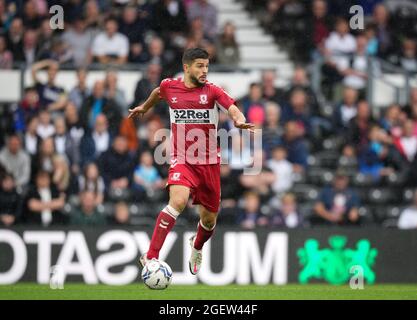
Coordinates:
<point>196,82</point>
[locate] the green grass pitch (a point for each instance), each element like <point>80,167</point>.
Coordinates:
<point>29,291</point>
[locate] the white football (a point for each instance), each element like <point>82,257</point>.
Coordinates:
<point>157,274</point>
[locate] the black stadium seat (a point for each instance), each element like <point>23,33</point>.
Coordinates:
<point>116,194</point>
<point>348,163</point>
<point>328,158</point>
<point>396,179</point>
<point>381,196</point>
<point>361,180</point>
<point>382,213</point>
<point>315,175</point>
<point>366,215</point>
<point>306,210</point>
<point>305,192</point>
<point>332,143</point>
<point>407,195</point>
<point>299,177</point>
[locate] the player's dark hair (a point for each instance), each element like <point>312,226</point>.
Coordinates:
<point>192,54</point>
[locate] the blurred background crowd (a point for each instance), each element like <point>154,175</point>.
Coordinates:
<point>73,157</point>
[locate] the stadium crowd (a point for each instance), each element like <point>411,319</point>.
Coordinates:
<point>73,157</point>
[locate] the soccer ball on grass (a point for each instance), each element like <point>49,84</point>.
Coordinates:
<point>157,274</point>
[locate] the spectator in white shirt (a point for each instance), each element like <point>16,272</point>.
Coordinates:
<point>337,48</point>
<point>340,42</point>
<point>408,218</point>
<point>282,169</point>
<point>356,68</point>
<point>45,127</point>
<point>408,142</point>
<point>110,46</point>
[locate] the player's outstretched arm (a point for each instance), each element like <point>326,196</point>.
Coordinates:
<point>239,119</point>
<point>152,100</point>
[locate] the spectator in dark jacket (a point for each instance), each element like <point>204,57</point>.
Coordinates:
<point>26,109</point>
<point>269,90</point>
<point>253,99</point>
<point>298,110</point>
<point>15,38</point>
<point>65,144</point>
<point>10,201</point>
<point>145,86</point>
<point>87,214</point>
<point>44,202</point>
<point>251,216</point>
<point>377,157</point>
<point>98,103</point>
<point>52,97</point>
<point>166,21</point>
<point>94,143</point>
<point>345,110</point>
<point>300,80</point>
<point>337,204</point>
<point>296,146</point>
<point>272,130</point>
<point>358,127</point>
<point>80,91</point>
<point>132,26</point>
<point>116,165</point>
<point>74,124</point>
<point>319,26</point>
<point>121,215</point>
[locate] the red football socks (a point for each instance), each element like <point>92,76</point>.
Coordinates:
<point>203,234</point>
<point>164,223</point>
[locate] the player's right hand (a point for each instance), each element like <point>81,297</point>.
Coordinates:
<point>244,125</point>
<point>139,110</point>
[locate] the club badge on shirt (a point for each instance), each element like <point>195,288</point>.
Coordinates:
<point>203,99</point>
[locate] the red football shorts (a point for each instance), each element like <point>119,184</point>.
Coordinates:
<point>203,180</point>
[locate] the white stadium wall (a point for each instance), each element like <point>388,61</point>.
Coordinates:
<point>236,83</point>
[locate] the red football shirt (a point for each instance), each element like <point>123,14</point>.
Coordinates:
<point>194,118</point>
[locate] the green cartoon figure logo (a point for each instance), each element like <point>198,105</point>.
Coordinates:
<point>334,264</point>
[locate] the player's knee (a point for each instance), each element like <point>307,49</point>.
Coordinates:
<point>178,203</point>
<point>209,221</point>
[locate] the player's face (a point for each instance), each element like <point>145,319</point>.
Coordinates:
<point>197,71</point>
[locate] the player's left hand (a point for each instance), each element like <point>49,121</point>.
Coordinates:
<point>138,111</point>
<point>244,125</point>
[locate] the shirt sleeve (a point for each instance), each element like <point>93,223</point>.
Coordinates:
<point>223,98</point>
<point>124,46</point>
<point>163,88</point>
<point>96,46</point>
